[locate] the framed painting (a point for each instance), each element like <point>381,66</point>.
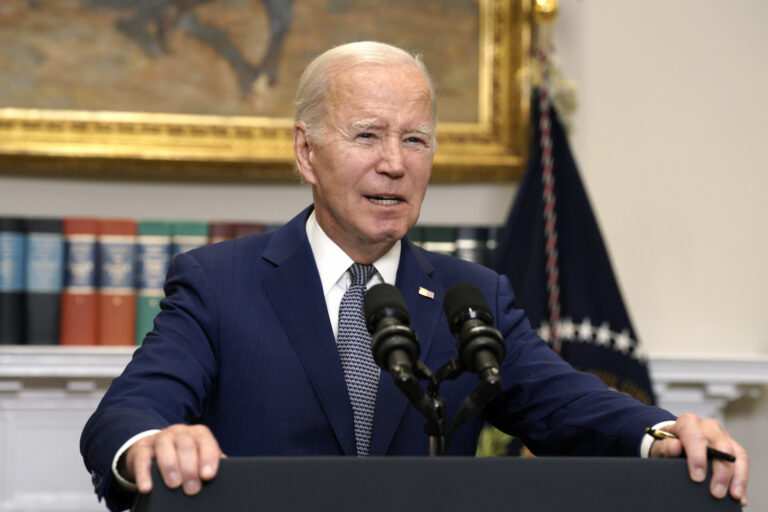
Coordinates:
<point>203,89</point>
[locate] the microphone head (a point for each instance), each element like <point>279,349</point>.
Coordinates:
<point>463,302</point>
<point>384,300</point>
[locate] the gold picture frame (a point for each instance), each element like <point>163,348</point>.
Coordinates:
<point>180,147</point>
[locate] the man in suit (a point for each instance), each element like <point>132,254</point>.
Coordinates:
<point>250,354</point>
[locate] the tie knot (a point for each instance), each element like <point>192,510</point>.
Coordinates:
<point>361,274</point>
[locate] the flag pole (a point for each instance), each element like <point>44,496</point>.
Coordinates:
<point>546,11</point>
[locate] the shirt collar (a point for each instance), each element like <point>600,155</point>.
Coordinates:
<point>332,262</point>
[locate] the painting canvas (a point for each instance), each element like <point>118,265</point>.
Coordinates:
<point>210,83</point>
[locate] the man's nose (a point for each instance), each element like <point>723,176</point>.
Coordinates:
<point>392,160</point>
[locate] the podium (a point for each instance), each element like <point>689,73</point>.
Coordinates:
<point>441,484</point>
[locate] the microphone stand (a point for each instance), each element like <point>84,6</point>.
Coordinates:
<point>431,405</point>
<point>428,403</point>
<point>485,391</point>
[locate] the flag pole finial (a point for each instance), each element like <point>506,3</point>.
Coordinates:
<point>546,10</point>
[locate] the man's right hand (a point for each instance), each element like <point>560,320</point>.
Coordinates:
<point>186,455</point>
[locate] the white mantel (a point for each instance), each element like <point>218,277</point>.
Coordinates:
<point>706,385</point>
<point>47,394</point>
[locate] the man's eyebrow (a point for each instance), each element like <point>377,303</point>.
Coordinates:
<point>366,124</point>
<point>424,129</point>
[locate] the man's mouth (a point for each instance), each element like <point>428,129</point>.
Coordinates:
<point>385,200</point>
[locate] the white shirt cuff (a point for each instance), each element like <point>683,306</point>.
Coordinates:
<point>645,445</point>
<point>124,482</point>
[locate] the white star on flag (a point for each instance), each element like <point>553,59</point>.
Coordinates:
<point>623,341</point>
<point>603,335</point>
<point>567,329</point>
<point>586,330</point>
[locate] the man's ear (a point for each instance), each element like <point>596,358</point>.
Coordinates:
<point>303,149</point>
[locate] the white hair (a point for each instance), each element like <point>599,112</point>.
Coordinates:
<point>317,78</point>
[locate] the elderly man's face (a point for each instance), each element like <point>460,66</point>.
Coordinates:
<point>371,166</point>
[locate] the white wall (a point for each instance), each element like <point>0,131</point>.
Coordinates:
<point>470,204</point>
<point>668,136</point>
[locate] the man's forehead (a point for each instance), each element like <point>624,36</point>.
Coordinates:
<point>373,80</point>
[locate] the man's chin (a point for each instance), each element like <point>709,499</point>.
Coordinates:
<point>388,236</point>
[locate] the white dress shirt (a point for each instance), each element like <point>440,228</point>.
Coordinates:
<point>332,265</point>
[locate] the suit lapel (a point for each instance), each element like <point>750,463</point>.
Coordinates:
<point>414,271</point>
<point>294,289</point>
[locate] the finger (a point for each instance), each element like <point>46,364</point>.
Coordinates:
<point>722,472</point>
<point>167,459</point>
<point>209,453</point>
<point>740,473</point>
<point>140,464</point>
<point>186,450</point>
<point>691,434</point>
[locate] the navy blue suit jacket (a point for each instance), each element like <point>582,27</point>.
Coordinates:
<point>244,345</point>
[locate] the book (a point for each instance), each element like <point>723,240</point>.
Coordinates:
<point>471,243</point>
<point>153,255</point>
<point>188,235</point>
<point>416,235</point>
<point>12,281</point>
<point>242,229</point>
<point>495,233</point>
<point>440,239</point>
<point>78,322</point>
<point>44,279</point>
<point>219,231</point>
<point>116,294</point>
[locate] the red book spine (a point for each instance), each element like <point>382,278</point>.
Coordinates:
<point>117,294</point>
<point>78,298</point>
<point>248,228</point>
<point>220,231</point>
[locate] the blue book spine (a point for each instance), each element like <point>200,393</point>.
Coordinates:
<point>12,282</point>
<point>44,280</point>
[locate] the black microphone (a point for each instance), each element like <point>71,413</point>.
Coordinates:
<point>481,347</point>
<point>394,344</point>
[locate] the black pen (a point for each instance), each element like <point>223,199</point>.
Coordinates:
<point>712,453</point>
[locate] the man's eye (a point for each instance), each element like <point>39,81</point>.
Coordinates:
<point>366,135</point>
<point>416,140</point>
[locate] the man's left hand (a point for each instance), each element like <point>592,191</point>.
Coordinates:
<point>694,434</point>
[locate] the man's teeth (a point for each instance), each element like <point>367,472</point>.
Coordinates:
<point>384,201</point>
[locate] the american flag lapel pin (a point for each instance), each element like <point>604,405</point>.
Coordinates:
<point>426,293</point>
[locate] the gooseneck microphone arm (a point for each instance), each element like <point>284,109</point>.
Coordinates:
<point>480,345</point>
<point>396,350</point>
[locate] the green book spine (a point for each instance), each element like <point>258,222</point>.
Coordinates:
<point>440,239</point>
<point>491,246</point>
<point>154,256</point>
<point>416,235</point>
<point>470,243</point>
<point>188,235</point>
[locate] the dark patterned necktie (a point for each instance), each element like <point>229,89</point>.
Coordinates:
<point>354,345</point>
